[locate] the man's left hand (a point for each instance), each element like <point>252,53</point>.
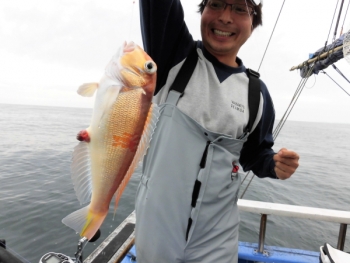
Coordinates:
<point>286,162</point>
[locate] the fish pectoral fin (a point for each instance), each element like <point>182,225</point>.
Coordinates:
<point>81,172</point>
<point>85,222</point>
<point>87,89</point>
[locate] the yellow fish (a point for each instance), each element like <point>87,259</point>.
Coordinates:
<point>111,147</point>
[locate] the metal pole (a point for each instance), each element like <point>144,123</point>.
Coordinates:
<point>342,236</point>
<point>263,221</point>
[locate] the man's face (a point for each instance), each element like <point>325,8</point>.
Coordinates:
<point>225,31</point>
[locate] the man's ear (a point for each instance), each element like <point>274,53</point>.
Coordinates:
<point>252,30</point>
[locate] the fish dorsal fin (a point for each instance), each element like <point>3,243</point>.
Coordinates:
<point>148,130</point>
<point>87,89</point>
<point>81,173</point>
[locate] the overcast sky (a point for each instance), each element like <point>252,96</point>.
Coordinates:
<point>48,48</point>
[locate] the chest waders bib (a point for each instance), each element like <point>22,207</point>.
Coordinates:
<point>186,203</point>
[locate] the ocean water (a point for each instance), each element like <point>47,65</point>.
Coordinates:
<point>36,145</point>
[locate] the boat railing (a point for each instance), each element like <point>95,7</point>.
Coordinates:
<point>119,242</point>
<point>317,214</point>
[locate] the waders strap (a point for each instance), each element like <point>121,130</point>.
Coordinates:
<point>185,73</point>
<point>253,97</point>
<point>187,69</point>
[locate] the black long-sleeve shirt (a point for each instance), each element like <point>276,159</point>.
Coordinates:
<point>219,100</point>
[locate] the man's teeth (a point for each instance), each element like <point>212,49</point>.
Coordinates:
<point>221,33</point>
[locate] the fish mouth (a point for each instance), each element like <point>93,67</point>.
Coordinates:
<point>221,33</point>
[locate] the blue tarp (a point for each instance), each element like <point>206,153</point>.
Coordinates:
<point>329,60</point>
<point>247,254</point>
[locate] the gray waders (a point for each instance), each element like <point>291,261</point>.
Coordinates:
<point>186,203</point>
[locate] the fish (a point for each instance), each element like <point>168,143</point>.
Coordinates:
<point>121,127</point>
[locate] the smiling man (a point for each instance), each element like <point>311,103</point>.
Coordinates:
<point>216,116</point>
<point>223,33</point>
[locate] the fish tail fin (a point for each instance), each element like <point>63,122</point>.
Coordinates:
<point>148,130</point>
<point>84,221</point>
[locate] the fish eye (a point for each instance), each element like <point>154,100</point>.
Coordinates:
<point>150,67</point>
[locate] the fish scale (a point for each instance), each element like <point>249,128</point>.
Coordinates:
<point>121,128</point>
<point>128,123</point>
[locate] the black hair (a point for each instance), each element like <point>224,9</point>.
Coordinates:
<point>257,18</point>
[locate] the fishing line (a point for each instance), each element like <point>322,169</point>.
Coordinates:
<point>15,253</point>
<point>131,19</point>
<point>271,35</point>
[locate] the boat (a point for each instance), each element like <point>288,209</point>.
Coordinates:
<point>119,245</point>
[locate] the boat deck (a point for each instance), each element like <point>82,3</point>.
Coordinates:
<point>247,254</point>
<point>119,246</point>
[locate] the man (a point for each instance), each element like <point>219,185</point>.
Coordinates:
<point>186,203</point>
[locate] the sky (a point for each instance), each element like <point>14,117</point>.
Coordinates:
<point>48,48</point>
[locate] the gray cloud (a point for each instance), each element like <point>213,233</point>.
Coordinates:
<point>75,32</point>
<point>49,47</point>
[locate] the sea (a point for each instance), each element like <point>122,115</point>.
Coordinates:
<point>36,192</point>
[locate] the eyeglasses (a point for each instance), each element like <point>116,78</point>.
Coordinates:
<point>240,9</point>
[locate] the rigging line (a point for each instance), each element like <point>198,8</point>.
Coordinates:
<point>271,35</point>
<point>335,82</point>
<point>285,116</point>
<point>336,26</point>
<point>295,94</point>
<point>291,106</point>
<point>342,27</point>
<point>277,130</point>
<point>330,28</point>
<point>313,85</point>
<point>341,74</point>
<point>245,190</point>
<point>287,113</point>
<point>245,177</point>
<point>299,88</point>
